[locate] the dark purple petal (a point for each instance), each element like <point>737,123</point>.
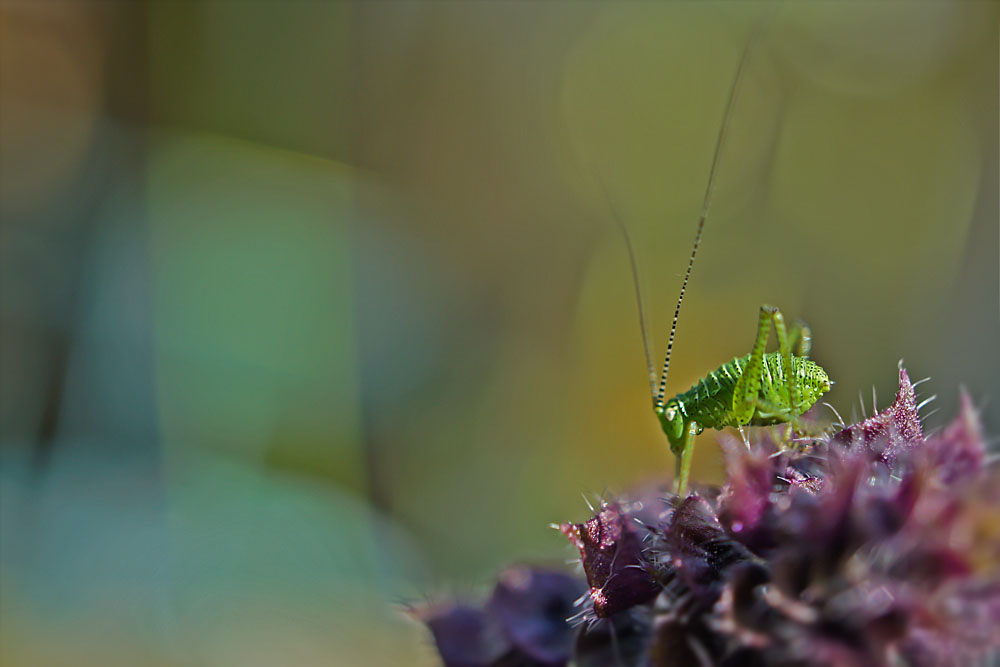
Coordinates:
<point>747,494</point>
<point>891,432</point>
<point>611,553</point>
<point>684,642</point>
<point>976,606</point>
<point>466,636</point>
<point>817,532</point>
<point>745,657</point>
<point>959,629</point>
<point>958,452</point>
<point>886,514</point>
<point>931,564</point>
<point>699,550</point>
<point>622,639</point>
<point>822,523</point>
<point>532,607</point>
<point>742,607</point>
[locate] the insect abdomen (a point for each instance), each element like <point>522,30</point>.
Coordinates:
<point>710,401</point>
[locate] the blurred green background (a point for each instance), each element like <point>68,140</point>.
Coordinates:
<point>311,310</point>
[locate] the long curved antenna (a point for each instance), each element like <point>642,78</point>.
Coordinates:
<point>643,325</point>
<point>730,103</point>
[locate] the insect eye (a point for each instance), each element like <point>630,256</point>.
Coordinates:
<point>671,413</point>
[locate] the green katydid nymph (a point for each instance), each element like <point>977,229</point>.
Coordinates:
<point>759,389</point>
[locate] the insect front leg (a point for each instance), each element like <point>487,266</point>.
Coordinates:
<point>748,386</point>
<point>683,466</point>
<point>784,349</point>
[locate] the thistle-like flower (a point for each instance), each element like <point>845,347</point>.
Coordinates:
<point>876,545</point>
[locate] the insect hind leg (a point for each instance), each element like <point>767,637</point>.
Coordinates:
<point>800,338</point>
<point>747,390</point>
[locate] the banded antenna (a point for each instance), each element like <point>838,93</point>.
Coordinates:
<point>658,393</point>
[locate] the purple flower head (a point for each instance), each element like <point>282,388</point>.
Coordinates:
<point>876,545</point>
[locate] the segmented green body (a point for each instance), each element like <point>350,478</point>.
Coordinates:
<point>710,401</point>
